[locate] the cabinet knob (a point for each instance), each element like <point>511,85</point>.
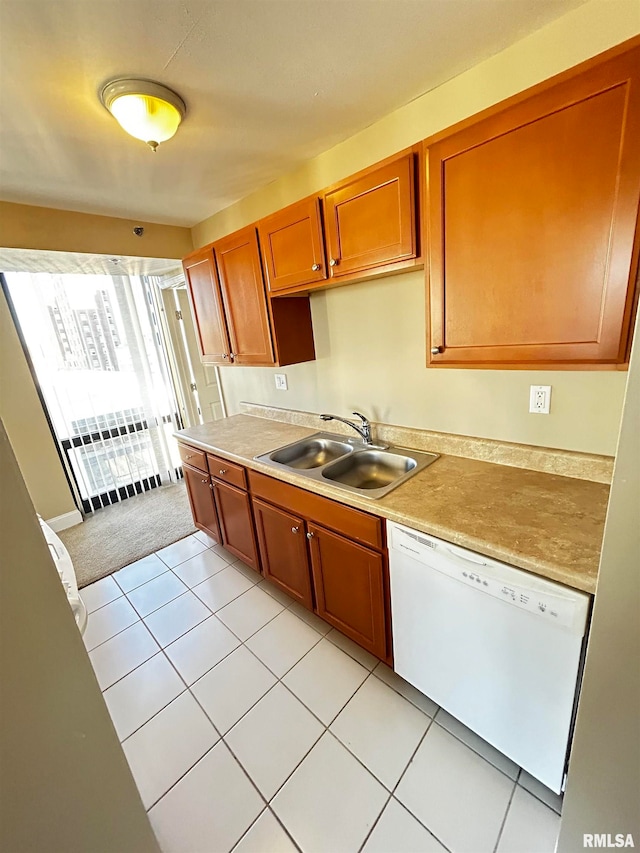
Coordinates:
<point>315,267</point>
<point>232,355</point>
<point>205,481</point>
<point>222,472</point>
<point>211,486</point>
<point>310,535</point>
<point>188,455</point>
<point>225,355</point>
<point>295,529</point>
<point>333,262</point>
<point>436,350</point>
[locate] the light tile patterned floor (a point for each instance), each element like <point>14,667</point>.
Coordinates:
<point>250,725</point>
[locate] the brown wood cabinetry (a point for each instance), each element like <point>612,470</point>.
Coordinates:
<point>206,306</point>
<point>244,298</point>
<point>219,501</point>
<point>338,567</point>
<point>370,220</point>
<point>349,588</point>
<point>200,492</point>
<point>236,522</point>
<point>532,214</point>
<point>283,551</point>
<point>235,324</point>
<point>292,246</point>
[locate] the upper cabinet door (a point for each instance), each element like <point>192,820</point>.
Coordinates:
<point>370,221</point>
<point>204,294</point>
<point>244,297</point>
<point>532,214</point>
<point>292,246</point>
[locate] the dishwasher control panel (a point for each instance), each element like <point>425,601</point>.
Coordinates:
<point>534,595</point>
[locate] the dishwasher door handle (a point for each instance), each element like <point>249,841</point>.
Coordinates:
<point>465,559</point>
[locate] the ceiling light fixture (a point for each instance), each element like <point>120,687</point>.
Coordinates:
<point>146,110</point>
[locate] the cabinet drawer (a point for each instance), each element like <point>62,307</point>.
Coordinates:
<point>353,523</point>
<point>227,471</point>
<point>193,457</point>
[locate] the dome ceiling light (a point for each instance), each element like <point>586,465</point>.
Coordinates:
<point>146,110</point>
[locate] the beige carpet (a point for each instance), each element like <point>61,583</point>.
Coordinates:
<point>118,535</point>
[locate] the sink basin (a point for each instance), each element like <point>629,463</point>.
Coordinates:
<point>348,463</point>
<point>370,469</point>
<point>311,452</point>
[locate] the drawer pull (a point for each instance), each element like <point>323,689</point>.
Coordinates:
<point>189,455</point>
<point>222,472</point>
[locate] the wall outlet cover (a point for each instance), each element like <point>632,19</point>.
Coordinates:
<point>281,381</point>
<point>540,399</point>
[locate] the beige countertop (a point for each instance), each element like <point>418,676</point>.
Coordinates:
<point>544,523</point>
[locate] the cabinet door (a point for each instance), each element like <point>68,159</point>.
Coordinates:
<point>292,246</point>
<point>206,305</point>
<point>532,215</point>
<point>244,297</point>
<point>236,523</point>
<point>201,499</point>
<point>283,551</point>
<point>349,588</point>
<point>370,221</point>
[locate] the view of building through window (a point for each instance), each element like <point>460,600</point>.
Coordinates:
<point>96,347</point>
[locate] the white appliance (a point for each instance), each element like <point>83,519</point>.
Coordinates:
<point>496,647</point>
<point>64,565</point>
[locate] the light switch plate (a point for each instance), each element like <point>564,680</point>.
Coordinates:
<point>281,381</point>
<point>540,399</point>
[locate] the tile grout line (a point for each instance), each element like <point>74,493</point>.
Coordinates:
<point>402,775</point>
<point>504,819</point>
<point>278,821</point>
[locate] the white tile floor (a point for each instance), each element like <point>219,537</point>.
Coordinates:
<point>250,725</point>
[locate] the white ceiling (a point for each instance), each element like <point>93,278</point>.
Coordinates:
<point>268,84</point>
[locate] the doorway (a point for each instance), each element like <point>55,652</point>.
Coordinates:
<point>103,362</point>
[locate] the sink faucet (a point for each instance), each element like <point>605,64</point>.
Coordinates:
<point>363,430</point>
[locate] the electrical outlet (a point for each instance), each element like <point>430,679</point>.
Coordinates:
<point>281,381</point>
<point>540,399</point>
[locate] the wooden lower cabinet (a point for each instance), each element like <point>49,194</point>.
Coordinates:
<point>203,507</point>
<point>236,522</point>
<point>283,551</point>
<point>349,587</point>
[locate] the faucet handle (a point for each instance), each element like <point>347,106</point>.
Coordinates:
<point>362,417</point>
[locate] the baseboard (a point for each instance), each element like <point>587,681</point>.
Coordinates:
<point>67,519</point>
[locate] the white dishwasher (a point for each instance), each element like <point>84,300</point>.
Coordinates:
<point>496,647</point>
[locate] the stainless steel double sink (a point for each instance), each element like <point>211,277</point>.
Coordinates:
<point>350,464</point>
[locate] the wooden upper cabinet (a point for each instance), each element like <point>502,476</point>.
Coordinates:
<point>370,220</point>
<point>292,246</point>
<point>532,216</point>
<point>244,297</point>
<point>206,304</point>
